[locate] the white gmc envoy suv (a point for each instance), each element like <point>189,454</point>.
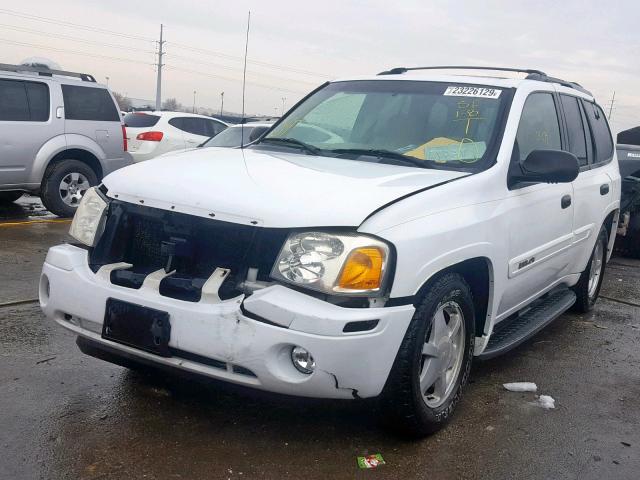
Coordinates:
<point>383,233</point>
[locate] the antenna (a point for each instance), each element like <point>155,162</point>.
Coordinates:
<point>613,99</point>
<point>244,79</point>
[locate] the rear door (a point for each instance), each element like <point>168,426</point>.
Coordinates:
<point>539,217</point>
<point>197,130</point>
<point>91,111</point>
<point>26,123</point>
<point>594,187</point>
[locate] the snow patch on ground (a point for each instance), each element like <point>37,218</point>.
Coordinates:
<point>521,387</point>
<point>545,401</point>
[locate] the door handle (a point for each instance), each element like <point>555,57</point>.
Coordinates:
<point>565,202</point>
<point>604,189</point>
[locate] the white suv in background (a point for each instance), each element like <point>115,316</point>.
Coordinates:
<point>151,134</point>
<point>443,217</point>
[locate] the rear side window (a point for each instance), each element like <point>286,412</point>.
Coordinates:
<point>575,128</point>
<point>214,128</point>
<point>24,101</point>
<point>600,132</point>
<point>88,103</point>
<point>195,126</point>
<point>140,120</point>
<point>539,128</point>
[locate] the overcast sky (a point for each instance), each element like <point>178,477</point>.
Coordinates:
<point>297,45</point>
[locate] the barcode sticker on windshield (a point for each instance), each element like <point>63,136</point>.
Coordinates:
<point>472,92</point>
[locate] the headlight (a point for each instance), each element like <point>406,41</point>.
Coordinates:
<point>88,222</point>
<point>348,264</point>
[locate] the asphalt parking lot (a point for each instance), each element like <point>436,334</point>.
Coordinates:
<point>65,415</point>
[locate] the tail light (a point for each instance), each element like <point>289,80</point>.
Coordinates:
<point>124,138</point>
<point>150,136</point>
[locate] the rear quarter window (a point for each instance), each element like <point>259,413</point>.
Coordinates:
<point>140,120</point>
<point>89,103</point>
<point>600,132</point>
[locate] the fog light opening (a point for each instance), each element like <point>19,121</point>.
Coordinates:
<point>302,360</point>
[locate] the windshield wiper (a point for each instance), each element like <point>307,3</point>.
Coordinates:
<point>292,142</point>
<point>383,154</point>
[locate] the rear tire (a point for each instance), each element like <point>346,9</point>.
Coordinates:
<point>412,403</point>
<point>588,287</point>
<point>74,176</point>
<point>8,197</point>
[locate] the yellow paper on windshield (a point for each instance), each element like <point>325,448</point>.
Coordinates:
<point>420,152</point>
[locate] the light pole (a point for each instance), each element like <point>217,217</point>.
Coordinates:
<point>194,101</point>
<point>221,102</point>
<point>284,99</point>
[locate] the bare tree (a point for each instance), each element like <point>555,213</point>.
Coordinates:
<point>123,102</point>
<point>172,104</point>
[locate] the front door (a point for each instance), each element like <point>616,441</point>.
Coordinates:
<point>539,217</point>
<point>26,123</point>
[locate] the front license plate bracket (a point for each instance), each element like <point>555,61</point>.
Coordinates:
<point>137,326</point>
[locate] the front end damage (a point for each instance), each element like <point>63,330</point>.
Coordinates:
<point>228,319</point>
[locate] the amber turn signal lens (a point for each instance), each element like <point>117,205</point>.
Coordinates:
<point>362,270</point>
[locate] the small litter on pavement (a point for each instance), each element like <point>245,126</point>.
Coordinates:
<point>544,401</point>
<point>370,461</point>
<point>521,386</point>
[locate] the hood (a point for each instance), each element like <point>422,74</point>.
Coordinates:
<point>271,189</point>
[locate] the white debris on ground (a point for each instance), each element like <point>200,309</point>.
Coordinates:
<point>545,401</point>
<point>521,386</point>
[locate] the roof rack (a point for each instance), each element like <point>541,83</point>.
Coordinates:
<point>46,72</point>
<point>531,74</point>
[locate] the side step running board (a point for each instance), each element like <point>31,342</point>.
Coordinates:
<point>526,324</point>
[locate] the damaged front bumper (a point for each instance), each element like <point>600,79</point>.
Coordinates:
<point>241,340</point>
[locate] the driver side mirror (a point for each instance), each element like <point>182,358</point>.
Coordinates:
<point>548,166</point>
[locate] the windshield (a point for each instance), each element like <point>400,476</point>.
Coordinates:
<point>234,136</point>
<point>441,125</point>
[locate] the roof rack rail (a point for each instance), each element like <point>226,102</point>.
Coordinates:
<point>46,72</point>
<point>564,83</point>
<point>531,74</point>
<point>398,70</point>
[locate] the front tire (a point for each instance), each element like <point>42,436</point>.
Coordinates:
<point>588,287</point>
<point>434,360</point>
<point>64,184</point>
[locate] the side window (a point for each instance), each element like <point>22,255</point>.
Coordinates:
<point>176,122</point>
<point>38,95</point>
<point>539,127</point>
<point>575,128</point>
<point>189,125</point>
<point>600,132</point>
<point>89,103</point>
<point>214,128</point>
<point>14,105</point>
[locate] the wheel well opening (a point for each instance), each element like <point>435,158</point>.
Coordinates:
<point>477,273</point>
<point>81,155</point>
<point>608,222</point>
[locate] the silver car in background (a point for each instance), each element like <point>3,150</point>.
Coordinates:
<point>60,133</point>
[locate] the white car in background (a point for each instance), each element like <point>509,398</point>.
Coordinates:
<point>150,134</point>
<point>238,135</point>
